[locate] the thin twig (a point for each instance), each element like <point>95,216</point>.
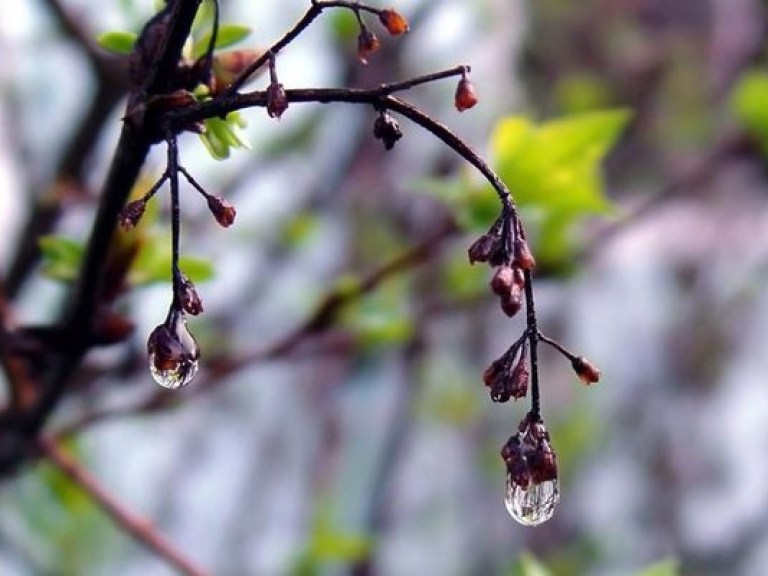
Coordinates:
<point>142,529</point>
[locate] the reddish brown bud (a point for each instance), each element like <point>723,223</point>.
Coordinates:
<point>512,303</point>
<point>542,465</point>
<point>502,281</point>
<point>190,299</point>
<point>518,386</point>
<point>386,129</point>
<point>494,372</point>
<point>483,249</point>
<point>277,101</point>
<point>587,371</point>
<point>222,210</point>
<point>523,258</point>
<point>367,44</point>
<point>465,97</point>
<point>394,22</point>
<point>131,214</point>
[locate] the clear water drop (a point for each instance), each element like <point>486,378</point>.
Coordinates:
<point>173,353</point>
<point>534,504</point>
<point>172,377</point>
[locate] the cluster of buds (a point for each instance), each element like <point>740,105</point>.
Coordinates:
<point>173,351</point>
<point>510,254</point>
<point>532,487</point>
<point>507,377</point>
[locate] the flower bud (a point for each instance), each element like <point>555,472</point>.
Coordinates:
<point>190,299</point>
<point>512,303</point>
<point>394,22</point>
<point>465,97</point>
<point>367,44</point>
<point>387,129</point>
<point>502,281</point>
<point>483,249</point>
<point>523,258</point>
<point>518,382</point>
<point>277,101</point>
<point>587,371</point>
<point>222,210</point>
<point>131,214</point>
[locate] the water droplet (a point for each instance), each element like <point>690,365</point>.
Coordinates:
<point>173,353</point>
<point>534,504</point>
<point>174,376</point>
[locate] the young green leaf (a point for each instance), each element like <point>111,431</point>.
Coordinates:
<point>116,41</point>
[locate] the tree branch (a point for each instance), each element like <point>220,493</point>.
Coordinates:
<point>142,529</point>
<point>135,141</point>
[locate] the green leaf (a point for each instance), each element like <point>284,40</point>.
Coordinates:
<point>557,165</point>
<point>61,257</point>
<point>223,134</point>
<point>749,104</point>
<point>117,41</point>
<point>228,35</point>
<point>667,567</point>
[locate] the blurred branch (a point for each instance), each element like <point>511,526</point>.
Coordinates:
<point>111,84</point>
<point>135,141</point>
<point>142,530</point>
<point>318,321</point>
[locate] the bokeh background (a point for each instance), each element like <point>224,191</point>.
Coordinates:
<point>371,446</point>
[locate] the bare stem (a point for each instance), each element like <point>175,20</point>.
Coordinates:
<point>142,529</point>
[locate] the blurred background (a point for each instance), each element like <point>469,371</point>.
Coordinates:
<point>634,133</point>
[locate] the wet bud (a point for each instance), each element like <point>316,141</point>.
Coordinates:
<point>483,249</point>
<point>495,371</point>
<point>228,66</point>
<point>523,258</point>
<point>386,129</point>
<point>503,280</point>
<point>277,101</point>
<point>500,391</point>
<point>518,382</point>
<point>512,303</point>
<point>190,299</point>
<point>367,44</point>
<point>131,214</point>
<point>173,352</point>
<point>222,210</point>
<point>511,449</point>
<point>394,22</point>
<point>465,97</point>
<point>543,465</point>
<point>519,473</point>
<point>587,371</point>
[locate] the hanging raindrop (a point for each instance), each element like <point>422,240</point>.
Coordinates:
<point>173,352</point>
<point>533,504</point>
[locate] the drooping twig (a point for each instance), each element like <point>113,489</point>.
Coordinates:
<point>140,528</point>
